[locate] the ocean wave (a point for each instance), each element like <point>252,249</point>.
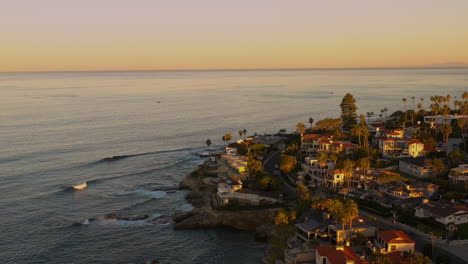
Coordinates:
<point>152,194</point>
<point>120,157</point>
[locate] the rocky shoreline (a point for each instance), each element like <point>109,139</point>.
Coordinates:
<point>204,215</point>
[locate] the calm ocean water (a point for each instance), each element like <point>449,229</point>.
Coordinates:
<point>56,129</point>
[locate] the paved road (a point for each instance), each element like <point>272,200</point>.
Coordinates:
<point>459,254</point>
<point>269,165</point>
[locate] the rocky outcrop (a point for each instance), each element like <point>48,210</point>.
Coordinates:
<point>204,216</point>
<point>258,221</point>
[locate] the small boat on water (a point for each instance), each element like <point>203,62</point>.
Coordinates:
<point>80,186</point>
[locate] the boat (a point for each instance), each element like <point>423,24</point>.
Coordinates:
<point>80,186</point>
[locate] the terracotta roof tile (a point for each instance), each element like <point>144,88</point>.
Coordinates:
<point>395,236</point>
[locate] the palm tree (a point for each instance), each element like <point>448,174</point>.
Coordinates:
<point>244,131</point>
<point>351,211</point>
<point>227,138</point>
<point>311,121</point>
<point>300,128</point>
<point>446,131</point>
<point>412,98</point>
<point>357,132</point>
<point>463,124</point>
<point>240,132</point>
<point>208,143</point>
<point>404,105</point>
<point>348,166</point>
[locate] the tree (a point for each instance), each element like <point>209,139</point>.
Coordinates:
<point>463,125</point>
<point>420,259</point>
<point>240,132</point>
<point>446,131</point>
<point>347,166</point>
<point>228,137</point>
<point>456,156</point>
<point>244,131</point>
<point>364,164</point>
<point>436,165</point>
<point>300,128</point>
<point>351,211</point>
<point>322,159</point>
<point>302,192</point>
<point>254,166</point>
<point>287,163</point>
<point>208,142</point>
<point>311,121</point>
<point>348,112</point>
<point>382,259</point>
<point>404,106</point>
<point>329,124</point>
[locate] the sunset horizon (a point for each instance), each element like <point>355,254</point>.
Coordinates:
<point>118,35</point>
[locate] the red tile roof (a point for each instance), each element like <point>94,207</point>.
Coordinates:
<point>316,136</point>
<point>396,257</point>
<point>395,236</point>
<point>338,256</point>
<point>428,148</point>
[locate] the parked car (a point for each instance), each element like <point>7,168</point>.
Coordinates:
<point>276,173</point>
<point>276,166</point>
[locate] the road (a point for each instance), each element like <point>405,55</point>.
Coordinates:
<point>269,166</point>
<point>459,255</point>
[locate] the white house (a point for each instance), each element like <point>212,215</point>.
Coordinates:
<point>415,166</point>
<point>443,212</point>
<point>315,170</point>
<point>459,175</point>
<point>393,240</point>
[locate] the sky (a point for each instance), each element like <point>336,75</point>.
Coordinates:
<point>58,35</point>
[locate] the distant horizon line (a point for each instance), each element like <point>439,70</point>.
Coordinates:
<point>252,69</point>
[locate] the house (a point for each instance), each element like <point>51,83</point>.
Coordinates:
<point>459,175</point>
<point>428,189</point>
<point>372,127</point>
<point>334,179</point>
<point>415,167</point>
<point>236,166</point>
<point>359,225</point>
<point>393,240</point>
<point>336,255</point>
<point>310,143</point>
<point>395,146</point>
<point>442,212</point>
<point>441,119</point>
<point>315,171</point>
<point>231,188</point>
<point>309,230</point>
<point>330,146</point>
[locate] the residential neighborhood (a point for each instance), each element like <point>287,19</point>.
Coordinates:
<point>357,189</point>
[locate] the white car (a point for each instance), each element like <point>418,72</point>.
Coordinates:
<point>276,173</point>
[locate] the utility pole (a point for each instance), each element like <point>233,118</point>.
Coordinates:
<point>432,237</point>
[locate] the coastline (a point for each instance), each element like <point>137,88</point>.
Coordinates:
<point>204,215</point>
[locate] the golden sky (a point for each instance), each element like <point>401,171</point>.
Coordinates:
<point>57,35</point>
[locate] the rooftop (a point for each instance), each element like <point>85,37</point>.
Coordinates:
<point>338,255</point>
<point>442,209</point>
<point>395,236</point>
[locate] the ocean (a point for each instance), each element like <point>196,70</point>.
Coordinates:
<point>63,128</point>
